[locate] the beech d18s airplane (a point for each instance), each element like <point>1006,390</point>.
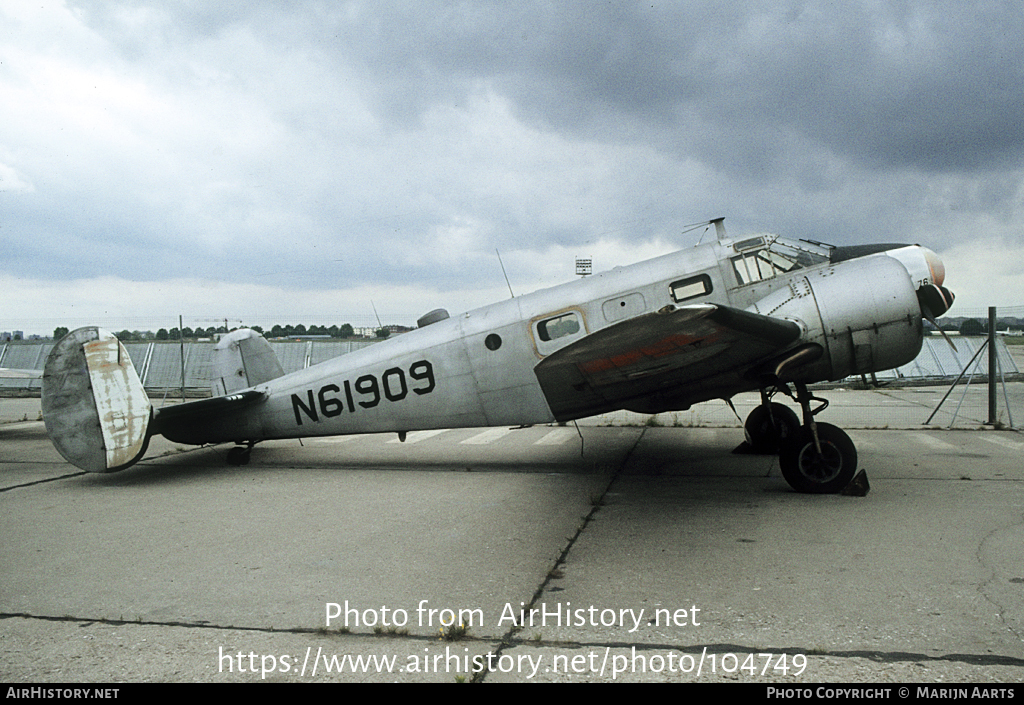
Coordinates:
<point>762,313</point>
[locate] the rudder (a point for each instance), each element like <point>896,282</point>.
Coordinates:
<point>96,410</point>
<point>243,359</point>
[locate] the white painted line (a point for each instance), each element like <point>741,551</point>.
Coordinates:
<point>335,439</point>
<point>932,442</point>
<point>556,437</point>
<point>861,443</point>
<point>1004,442</point>
<point>417,436</point>
<point>488,436</point>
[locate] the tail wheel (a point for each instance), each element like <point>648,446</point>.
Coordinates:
<point>767,437</point>
<point>827,472</point>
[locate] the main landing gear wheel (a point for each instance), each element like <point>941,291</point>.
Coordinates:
<point>827,472</point>
<point>764,436</point>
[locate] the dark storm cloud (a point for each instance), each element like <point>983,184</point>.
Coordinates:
<point>374,142</point>
<point>936,86</point>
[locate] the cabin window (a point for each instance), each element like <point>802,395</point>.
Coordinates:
<point>690,288</point>
<point>559,326</point>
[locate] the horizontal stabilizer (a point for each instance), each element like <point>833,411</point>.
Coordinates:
<point>185,422</point>
<point>96,410</point>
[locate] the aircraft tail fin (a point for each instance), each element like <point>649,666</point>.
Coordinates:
<point>96,410</point>
<point>243,359</point>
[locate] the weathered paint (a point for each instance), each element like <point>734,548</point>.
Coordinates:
<point>122,406</point>
<point>95,408</point>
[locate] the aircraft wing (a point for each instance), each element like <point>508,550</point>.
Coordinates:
<point>656,354</point>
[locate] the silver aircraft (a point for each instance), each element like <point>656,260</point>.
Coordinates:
<point>761,313</point>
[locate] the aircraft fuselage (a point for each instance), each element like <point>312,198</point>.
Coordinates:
<point>477,369</point>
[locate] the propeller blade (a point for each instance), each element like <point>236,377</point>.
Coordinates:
<point>935,300</point>
<point>931,319</point>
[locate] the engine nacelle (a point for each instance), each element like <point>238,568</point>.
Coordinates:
<point>878,329</point>
<point>864,313</point>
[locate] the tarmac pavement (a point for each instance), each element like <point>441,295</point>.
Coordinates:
<point>632,549</point>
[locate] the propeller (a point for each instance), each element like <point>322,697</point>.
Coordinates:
<point>935,300</point>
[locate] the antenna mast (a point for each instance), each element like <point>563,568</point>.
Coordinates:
<point>719,224</point>
<point>504,273</point>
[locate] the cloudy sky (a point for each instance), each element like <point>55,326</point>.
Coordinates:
<point>284,162</point>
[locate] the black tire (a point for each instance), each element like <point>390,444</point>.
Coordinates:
<point>805,471</point>
<point>762,435</point>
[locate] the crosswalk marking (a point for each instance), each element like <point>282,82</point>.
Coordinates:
<point>488,436</point>
<point>933,442</point>
<point>861,443</point>
<point>1004,442</point>
<point>417,436</point>
<point>865,442</point>
<point>555,437</point>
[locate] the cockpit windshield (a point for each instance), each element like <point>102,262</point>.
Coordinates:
<point>767,256</point>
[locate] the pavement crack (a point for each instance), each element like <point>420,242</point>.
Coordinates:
<point>744,649</point>
<point>41,482</point>
<point>198,624</point>
<point>509,640</point>
<point>987,555</point>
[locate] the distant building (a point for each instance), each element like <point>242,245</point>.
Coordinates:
<point>371,331</point>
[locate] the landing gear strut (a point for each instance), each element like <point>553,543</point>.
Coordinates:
<point>820,458</point>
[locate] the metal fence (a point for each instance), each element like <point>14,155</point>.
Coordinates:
<point>939,360</point>
<point>159,363</point>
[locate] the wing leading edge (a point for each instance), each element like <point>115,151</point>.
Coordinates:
<point>646,362</point>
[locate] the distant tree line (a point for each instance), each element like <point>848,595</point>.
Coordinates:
<point>975,326</point>
<point>343,331</point>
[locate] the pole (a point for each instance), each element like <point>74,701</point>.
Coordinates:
<point>992,365</point>
<point>181,342</point>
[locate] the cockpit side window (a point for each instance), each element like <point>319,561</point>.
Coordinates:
<point>759,265</point>
<point>773,258</point>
